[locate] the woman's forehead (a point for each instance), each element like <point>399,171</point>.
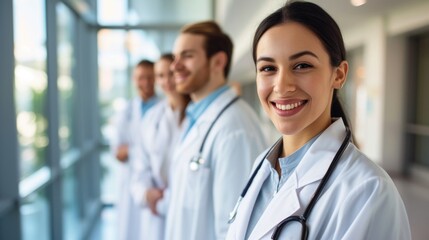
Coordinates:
<point>289,38</point>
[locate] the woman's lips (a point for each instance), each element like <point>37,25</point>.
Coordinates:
<point>288,108</point>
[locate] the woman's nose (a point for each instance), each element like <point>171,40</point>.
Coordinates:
<point>284,83</point>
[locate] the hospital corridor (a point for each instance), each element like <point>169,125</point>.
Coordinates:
<point>88,88</point>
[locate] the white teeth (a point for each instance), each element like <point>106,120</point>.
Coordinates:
<point>288,106</point>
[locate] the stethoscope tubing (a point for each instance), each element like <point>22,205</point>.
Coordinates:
<point>249,183</point>
<point>214,121</point>
<point>302,219</point>
<point>198,160</point>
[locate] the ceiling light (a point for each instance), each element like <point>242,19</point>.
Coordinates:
<point>357,3</point>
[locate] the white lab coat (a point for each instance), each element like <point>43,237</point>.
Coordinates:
<point>125,130</point>
<point>360,201</point>
<point>159,135</point>
<point>201,200</point>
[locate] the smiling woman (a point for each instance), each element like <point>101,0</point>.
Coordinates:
<point>295,85</point>
<point>313,182</point>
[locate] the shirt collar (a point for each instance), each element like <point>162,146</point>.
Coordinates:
<point>146,105</point>
<point>196,109</point>
<point>284,162</point>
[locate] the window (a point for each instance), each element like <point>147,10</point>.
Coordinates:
<point>30,84</point>
<point>65,82</point>
<point>71,217</point>
<point>35,215</point>
<point>134,12</point>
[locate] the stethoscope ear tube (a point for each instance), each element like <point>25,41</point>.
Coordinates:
<point>249,182</point>
<point>303,218</point>
<point>198,160</point>
<point>329,172</point>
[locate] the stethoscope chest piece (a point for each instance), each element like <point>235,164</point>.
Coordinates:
<point>196,162</point>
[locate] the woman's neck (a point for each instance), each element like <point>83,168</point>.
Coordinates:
<point>291,143</point>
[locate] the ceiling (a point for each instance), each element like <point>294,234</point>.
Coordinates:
<point>240,18</point>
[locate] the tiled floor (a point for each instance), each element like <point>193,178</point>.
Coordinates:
<point>415,196</point>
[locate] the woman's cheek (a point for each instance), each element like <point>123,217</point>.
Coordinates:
<point>264,89</point>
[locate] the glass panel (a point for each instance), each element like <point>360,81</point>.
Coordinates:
<point>421,150</point>
<point>35,216</point>
<point>164,39</point>
<point>141,45</point>
<point>114,89</point>
<point>65,82</point>
<point>111,179</point>
<point>169,12</point>
<point>71,217</point>
<point>30,83</point>
<point>422,113</point>
<point>114,81</point>
<point>112,12</point>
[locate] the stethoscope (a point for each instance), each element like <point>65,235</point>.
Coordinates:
<point>198,160</point>
<point>302,219</point>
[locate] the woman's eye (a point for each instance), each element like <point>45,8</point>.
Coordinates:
<point>267,69</point>
<point>302,66</point>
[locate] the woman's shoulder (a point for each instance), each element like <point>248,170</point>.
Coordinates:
<point>359,168</point>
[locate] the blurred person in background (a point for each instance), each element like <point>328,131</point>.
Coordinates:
<point>159,135</point>
<point>125,146</point>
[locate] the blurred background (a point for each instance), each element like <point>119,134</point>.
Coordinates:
<point>65,69</point>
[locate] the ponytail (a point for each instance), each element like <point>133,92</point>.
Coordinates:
<point>337,111</point>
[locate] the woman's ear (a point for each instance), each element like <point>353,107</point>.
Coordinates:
<point>341,74</point>
<point>218,61</point>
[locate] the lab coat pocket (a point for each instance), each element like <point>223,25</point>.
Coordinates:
<point>198,187</point>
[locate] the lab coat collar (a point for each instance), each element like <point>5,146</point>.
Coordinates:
<point>243,218</point>
<point>197,132</point>
<point>320,155</point>
<point>311,169</point>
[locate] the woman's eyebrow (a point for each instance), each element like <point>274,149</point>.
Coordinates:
<point>292,57</point>
<point>300,54</point>
<point>268,59</point>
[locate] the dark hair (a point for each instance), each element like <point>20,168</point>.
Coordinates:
<point>321,24</point>
<point>167,56</point>
<point>215,40</point>
<point>145,63</point>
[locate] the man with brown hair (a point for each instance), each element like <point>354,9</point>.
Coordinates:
<point>126,147</point>
<point>221,137</point>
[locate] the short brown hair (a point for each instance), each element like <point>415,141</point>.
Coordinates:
<point>145,63</point>
<point>215,40</point>
<point>167,56</point>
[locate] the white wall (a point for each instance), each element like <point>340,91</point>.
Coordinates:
<point>385,61</point>
<point>371,36</point>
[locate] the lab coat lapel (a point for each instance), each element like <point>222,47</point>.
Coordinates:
<point>194,138</point>
<point>320,155</point>
<point>213,110</point>
<point>311,169</point>
<point>247,204</point>
<point>189,143</point>
<point>284,204</point>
